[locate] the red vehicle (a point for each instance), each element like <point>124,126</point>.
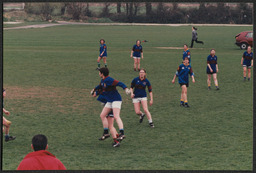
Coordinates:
<point>244,39</point>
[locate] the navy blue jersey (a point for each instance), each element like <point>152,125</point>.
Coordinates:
<point>109,91</point>
<point>140,87</point>
<point>103,48</point>
<point>137,50</point>
<point>186,54</point>
<point>183,72</point>
<point>247,58</point>
<point>212,60</point>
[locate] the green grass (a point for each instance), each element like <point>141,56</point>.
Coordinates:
<point>49,72</point>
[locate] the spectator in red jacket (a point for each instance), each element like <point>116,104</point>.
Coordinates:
<point>40,159</point>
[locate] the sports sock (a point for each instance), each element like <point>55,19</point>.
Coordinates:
<point>98,64</point>
<point>116,141</point>
<point>106,65</point>
<point>105,130</point>
<point>244,78</point>
<point>181,101</point>
<point>122,131</point>
<point>150,121</point>
<point>249,79</point>
<point>186,102</point>
<point>7,136</point>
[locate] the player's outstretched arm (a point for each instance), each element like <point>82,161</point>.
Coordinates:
<point>131,91</point>
<point>142,55</point>
<point>252,63</point>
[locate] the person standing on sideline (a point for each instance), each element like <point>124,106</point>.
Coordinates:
<point>137,53</point>
<point>139,96</point>
<point>247,62</point>
<point>183,72</point>
<point>194,37</point>
<point>103,53</point>
<point>40,159</point>
<point>212,69</point>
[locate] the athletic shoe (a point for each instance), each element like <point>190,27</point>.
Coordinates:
<point>120,137</point>
<point>217,88</point>
<point>97,68</point>
<point>116,144</point>
<point>141,117</point>
<point>10,138</point>
<point>151,125</point>
<point>186,106</point>
<point>182,104</point>
<point>249,79</point>
<point>209,88</point>
<point>104,136</point>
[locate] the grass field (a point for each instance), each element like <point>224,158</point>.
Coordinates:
<point>49,72</point>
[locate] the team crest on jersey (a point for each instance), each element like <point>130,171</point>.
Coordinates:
<point>144,83</point>
<point>189,68</point>
<point>182,68</point>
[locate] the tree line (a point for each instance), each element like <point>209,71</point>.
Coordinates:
<point>147,12</point>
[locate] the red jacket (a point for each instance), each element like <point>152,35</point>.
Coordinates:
<point>40,160</point>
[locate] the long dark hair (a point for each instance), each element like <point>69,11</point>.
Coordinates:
<point>194,28</point>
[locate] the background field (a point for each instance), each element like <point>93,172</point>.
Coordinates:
<point>49,72</point>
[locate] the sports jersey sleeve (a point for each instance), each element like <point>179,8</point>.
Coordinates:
<point>133,48</point>
<point>191,72</point>
<point>178,71</point>
<point>244,55</point>
<point>188,54</point>
<point>104,48</point>
<point>120,84</point>
<point>149,86</point>
<point>208,60</point>
<point>98,87</point>
<point>133,83</point>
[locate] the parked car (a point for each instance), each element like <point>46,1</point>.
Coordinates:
<point>244,39</point>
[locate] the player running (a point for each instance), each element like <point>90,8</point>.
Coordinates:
<point>186,53</point>
<point>182,73</point>
<point>247,62</point>
<point>137,53</point>
<point>113,102</point>
<point>6,123</point>
<point>139,96</point>
<point>103,53</point>
<point>194,37</point>
<point>212,69</point>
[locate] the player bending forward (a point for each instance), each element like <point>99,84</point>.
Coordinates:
<point>113,102</point>
<point>182,73</point>
<point>139,96</point>
<point>6,123</point>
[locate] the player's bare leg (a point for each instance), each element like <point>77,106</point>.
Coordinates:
<point>138,112</point>
<point>105,61</point>
<point>209,81</point>
<point>98,61</point>
<point>244,72</point>
<point>116,112</point>
<point>144,104</point>
<point>138,62</point>
<point>113,132</point>
<point>185,93</point>
<point>135,64</point>
<point>249,74</point>
<point>103,116</point>
<point>215,80</point>
<point>7,125</point>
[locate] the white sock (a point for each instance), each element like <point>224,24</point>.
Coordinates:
<point>150,121</point>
